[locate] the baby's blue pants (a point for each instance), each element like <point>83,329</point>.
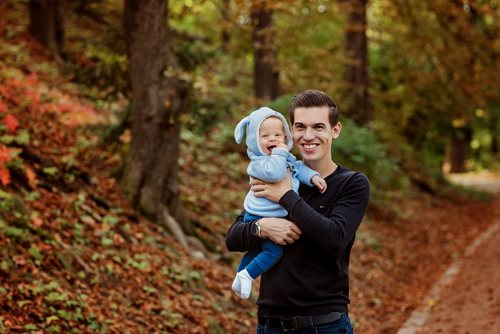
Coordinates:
<point>257,261</point>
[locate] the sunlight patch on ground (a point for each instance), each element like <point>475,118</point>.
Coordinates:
<point>485,180</point>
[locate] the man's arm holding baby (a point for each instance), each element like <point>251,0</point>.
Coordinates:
<point>279,230</point>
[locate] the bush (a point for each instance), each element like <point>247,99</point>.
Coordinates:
<point>282,103</point>
<point>360,149</point>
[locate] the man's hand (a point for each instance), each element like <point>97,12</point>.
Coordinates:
<point>319,182</point>
<point>271,191</point>
<point>279,230</point>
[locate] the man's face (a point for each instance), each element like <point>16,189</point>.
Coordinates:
<point>313,134</point>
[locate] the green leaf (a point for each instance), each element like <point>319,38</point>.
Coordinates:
<point>112,220</point>
<point>6,139</point>
<point>23,138</point>
<point>149,289</point>
<point>31,196</point>
<point>35,253</point>
<point>50,170</point>
<point>51,318</point>
<point>5,266</point>
<point>54,329</point>
<point>54,297</point>
<point>21,303</point>
<point>106,241</point>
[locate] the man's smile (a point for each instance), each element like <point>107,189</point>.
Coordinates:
<point>309,147</point>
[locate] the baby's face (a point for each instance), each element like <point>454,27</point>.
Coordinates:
<point>271,133</point>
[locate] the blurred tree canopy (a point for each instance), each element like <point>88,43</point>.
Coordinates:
<point>419,76</point>
<point>431,66</point>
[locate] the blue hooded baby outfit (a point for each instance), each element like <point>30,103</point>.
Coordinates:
<point>269,168</point>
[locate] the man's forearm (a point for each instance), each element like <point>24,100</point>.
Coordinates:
<point>240,238</point>
<point>335,229</point>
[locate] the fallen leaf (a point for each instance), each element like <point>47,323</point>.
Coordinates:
<point>31,175</point>
<point>4,176</point>
<point>11,122</point>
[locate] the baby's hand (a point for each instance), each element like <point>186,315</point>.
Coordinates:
<point>319,182</point>
<point>282,145</point>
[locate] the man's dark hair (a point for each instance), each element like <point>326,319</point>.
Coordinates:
<point>314,98</point>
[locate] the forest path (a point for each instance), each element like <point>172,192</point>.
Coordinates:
<point>485,181</point>
<point>466,299</point>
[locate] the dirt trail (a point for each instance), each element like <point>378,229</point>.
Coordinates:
<point>467,297</point>
<point>471,303</point>
<point>485,181</point>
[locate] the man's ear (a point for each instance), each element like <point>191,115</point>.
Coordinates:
<point>337,128</point>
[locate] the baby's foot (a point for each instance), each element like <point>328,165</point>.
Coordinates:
<point>244,284</point>
<point>237,285</point>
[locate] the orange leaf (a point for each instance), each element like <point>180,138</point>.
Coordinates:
<point>37,221</point>
<point>5,155</point>
<point>11,122</point>
<point>31,175</point>
<point>4,176</point>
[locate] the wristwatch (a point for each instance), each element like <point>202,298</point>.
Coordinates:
<point>256,229</point>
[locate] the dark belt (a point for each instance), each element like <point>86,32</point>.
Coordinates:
<point>299,322</point>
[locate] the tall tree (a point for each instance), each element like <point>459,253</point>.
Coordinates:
<point>46,23</point>
<point>226,24</point>
<point>359,103</point>
<point>458,148</point>
<point>158,96</point>
<point>266,72</point>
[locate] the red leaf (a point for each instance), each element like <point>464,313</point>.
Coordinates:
<point>3,107</point>
<point>11,122</point>
<point>5,155</point>
<point>4,176</point>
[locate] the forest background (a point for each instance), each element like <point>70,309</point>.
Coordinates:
<point>120,176</point>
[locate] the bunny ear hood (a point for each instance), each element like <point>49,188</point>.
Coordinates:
<point>252,123</point>
<point>239,131</point>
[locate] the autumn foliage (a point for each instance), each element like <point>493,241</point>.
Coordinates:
<point>75,255</point>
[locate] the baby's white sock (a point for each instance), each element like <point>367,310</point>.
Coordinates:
<point>237,285</point>
<point>242,284</point>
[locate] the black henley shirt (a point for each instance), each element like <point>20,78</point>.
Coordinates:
<point>312,278</point>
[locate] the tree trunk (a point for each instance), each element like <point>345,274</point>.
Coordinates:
<point>458,149</point>
<point>266,72</point>
<point>359,103</point>
<point>151,171</point>
<point>494,141</point>
<point>226,24</point>
<point>493,127</point>
<point>46,24</point>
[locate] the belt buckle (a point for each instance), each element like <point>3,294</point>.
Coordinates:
<point>289,324</point>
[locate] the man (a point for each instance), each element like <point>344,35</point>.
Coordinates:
<point>307,291</point>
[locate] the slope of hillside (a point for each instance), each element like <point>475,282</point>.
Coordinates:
<point>75,257</point>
